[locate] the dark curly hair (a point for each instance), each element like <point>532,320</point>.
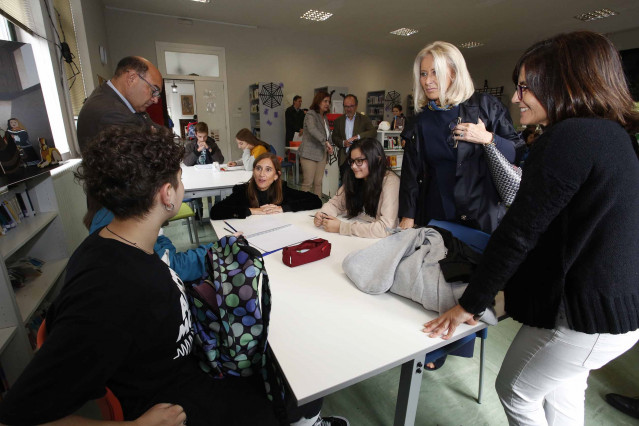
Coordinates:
<point>124,167</point>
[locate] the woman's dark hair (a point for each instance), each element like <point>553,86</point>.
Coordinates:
<point>399,107</point>
<point>317,99</point>
<point>363,194</point>
<point>124,167</point>
<point>578,74</point>
<point>245,135</point>
<point>274,192</point>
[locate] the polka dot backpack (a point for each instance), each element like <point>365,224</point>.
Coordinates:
<point>230,308</point>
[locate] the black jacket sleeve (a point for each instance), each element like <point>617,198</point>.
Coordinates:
<point>410,179</point>
<point>295,200</point>
<point>235,206</point>
<point>190,153</point>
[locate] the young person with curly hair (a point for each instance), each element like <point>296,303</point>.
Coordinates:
<point>122,320</point>
<point>370,192</point>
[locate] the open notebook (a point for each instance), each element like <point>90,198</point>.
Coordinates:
<point>269,233</point>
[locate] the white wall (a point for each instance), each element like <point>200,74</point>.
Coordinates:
<point>89,20</point>
<point>263,54</point>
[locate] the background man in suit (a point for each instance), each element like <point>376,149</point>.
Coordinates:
<point>122,100</point>
<point>348,128</point>
<point>294,116</point>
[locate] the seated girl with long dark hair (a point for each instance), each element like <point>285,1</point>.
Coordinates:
<point>264,193</point>
<point>370,193</point>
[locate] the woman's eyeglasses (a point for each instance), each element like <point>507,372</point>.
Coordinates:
<point>357,161</point>
<point>155,90</point>
<point>521,88</point>
<point>452,142</point>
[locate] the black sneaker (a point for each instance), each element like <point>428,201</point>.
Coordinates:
<point>332,421</point>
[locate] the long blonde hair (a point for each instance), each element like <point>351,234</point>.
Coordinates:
<point>446,58</point>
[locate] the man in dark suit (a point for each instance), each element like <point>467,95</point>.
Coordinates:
<point>294,119</point>
<point>122,100</point>
<point>348,128</point>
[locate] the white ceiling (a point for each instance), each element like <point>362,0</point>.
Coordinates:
<point>503,25</point>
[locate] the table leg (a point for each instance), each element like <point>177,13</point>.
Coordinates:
<point>410,382</point>
<point>297,168</point>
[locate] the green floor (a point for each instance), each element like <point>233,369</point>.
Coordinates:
<point>448,395</point>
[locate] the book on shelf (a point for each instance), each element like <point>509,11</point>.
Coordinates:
<point>14,215</point>
<point>5,218</point>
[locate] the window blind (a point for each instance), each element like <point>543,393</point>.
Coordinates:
<point>19,12</point>
<point>66,30</point>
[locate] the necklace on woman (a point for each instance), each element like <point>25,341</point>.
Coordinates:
<point>129,242</point>
<point>434,107</point>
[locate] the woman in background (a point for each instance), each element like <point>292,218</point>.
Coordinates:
<point>251,147</point>
<point>315,143</point>
<point>370,193</point>
<point>565,253</point>
<point>445,173</point>
<point>264,193</point>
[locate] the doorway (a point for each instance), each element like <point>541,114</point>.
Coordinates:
<point>195,84</point>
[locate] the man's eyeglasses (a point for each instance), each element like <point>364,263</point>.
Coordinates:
<point>155,90</point>
<point>521,88</point>
<point>452,142</point>
<point>349,106</point>
<point>357,161</point>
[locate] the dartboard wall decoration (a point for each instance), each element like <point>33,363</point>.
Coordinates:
<point>271,95</point>
<point>392,98</point>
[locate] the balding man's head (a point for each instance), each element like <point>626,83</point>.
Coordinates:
<point>139,81</point>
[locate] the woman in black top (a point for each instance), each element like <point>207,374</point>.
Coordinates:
<point>565,253</point>
<point>264,193</point>
<point>121,321</point>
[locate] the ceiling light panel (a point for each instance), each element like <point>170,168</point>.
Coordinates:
<point>470,44</point>
<point>404,32</point>
<point>202,1</point>
<point>596,14</point>
<point>316,15</point>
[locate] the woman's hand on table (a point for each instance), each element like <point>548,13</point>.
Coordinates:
<point>271,209</point>
<point>446,324</point>
<point>330,223</point>
<point>474,133</point>
<point>232,163</point>
<point>317,220</point>
<point>407,223</point>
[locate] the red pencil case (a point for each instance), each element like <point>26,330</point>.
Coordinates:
<point>306,252</point>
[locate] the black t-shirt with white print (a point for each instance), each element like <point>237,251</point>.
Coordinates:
<point>122,321</point>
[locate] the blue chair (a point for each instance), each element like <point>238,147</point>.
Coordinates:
<point>286,165</point>
<point>465,346</point>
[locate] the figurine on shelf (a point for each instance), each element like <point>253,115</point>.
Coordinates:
<point>21,139</point>
<point>10,160</point>
<point>49,155</point>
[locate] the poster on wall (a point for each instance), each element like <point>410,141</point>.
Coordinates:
<point>187,104</point>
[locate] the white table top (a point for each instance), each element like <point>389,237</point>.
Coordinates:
<point>327,334</point>
<point>198,179</point>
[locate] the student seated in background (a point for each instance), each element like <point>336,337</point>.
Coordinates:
<point>251,148</point>
<point>370,192</point>
<point>264,193</point>
<point>204,150</point>
<point>121,320</point>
